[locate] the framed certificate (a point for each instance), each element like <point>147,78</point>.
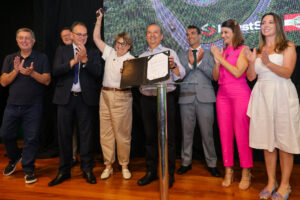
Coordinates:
<point>146,70</point>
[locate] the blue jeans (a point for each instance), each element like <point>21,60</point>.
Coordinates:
<point>30,117</point>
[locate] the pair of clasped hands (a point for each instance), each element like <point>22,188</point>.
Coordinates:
<point>250,55</point>
<point>81,55</point>
<point>19,67</point>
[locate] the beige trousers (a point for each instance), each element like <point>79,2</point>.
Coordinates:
<point>115,125</point>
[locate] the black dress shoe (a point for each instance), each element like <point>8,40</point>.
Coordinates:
<point>59,179</point>
<point>183,169</point>
<point>171,180</point>
<point>214,171</point>
<point>90,178</point>
<point>148,178</point>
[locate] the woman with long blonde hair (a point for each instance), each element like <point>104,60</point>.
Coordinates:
<point>274,105</point>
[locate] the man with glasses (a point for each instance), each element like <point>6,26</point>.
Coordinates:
<point>26,73</point>
<point>76,94</point>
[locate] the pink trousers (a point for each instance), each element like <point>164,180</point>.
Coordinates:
<point>232,102</point>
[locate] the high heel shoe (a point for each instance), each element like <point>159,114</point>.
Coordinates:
<point>265,194</point>
<point>228,179</point>
<point>278,196</point>
<point>246,179</point>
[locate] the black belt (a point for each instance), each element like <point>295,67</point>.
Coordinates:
<point>75,93</point>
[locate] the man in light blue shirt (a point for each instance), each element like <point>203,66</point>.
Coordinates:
<point>154,37</point>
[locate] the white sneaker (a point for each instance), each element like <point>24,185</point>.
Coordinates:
<point>126,174</point>
<point>106,173</point>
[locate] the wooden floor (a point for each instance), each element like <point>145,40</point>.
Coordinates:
<point>196,184</point>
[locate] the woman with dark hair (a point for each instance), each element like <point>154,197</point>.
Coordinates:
<point>274,105</point>
<point>115,103</point>
<point>232,101</point>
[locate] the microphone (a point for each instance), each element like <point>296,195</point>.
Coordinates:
<point>103,10</point>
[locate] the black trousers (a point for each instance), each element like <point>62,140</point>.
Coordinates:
<point>66,118</point>
<point>149,116</point>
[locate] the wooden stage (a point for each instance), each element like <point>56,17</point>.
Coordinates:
<point>195,184</point>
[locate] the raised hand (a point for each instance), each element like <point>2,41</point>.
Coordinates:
<point>18,64</point>
<point>216,53</point>
<point>265,57</point>
<point>250,55</point>
<point>81,53</point>
<point>99,14</point>
<point>27,71</point>
<point>200,55</point>
<point>191,57</point>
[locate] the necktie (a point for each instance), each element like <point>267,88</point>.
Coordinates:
<point>76,68</point>
<point>195,58</point>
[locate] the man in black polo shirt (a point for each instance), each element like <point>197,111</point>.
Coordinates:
<point>26,72</point>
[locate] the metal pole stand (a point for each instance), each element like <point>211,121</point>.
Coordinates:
<point>163,141</point>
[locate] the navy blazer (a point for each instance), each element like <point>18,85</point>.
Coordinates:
<point>88,76</point>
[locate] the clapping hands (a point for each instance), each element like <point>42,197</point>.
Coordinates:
<point>265,57</point>
<point>18,64</point>
<point>19,67</point>
<point>250,55</point>
<point>216,52</point>
<point>200,54</point>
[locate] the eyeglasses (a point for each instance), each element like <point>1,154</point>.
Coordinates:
<point>24,38</point>
<point>81,35</point>
<point>123,44</point>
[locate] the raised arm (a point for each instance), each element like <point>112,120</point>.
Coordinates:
<point>97,32</point>
<point>289,62</point>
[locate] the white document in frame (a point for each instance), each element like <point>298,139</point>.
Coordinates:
<point>157,66</point>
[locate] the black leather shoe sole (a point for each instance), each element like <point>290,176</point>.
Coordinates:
<point>184,169</point>
<point>90,178</point>
<point>214,172</point>
<point>59,179</point>
<point>147,179</point>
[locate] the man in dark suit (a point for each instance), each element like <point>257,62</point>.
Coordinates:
<point>76,93</point>
<point>197,103</point>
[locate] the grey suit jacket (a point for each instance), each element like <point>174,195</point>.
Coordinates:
<point>204,90</point>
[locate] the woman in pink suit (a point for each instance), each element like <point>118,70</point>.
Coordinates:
<point>232,102</point>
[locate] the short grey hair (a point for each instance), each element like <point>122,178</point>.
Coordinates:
<point>28,30</point>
